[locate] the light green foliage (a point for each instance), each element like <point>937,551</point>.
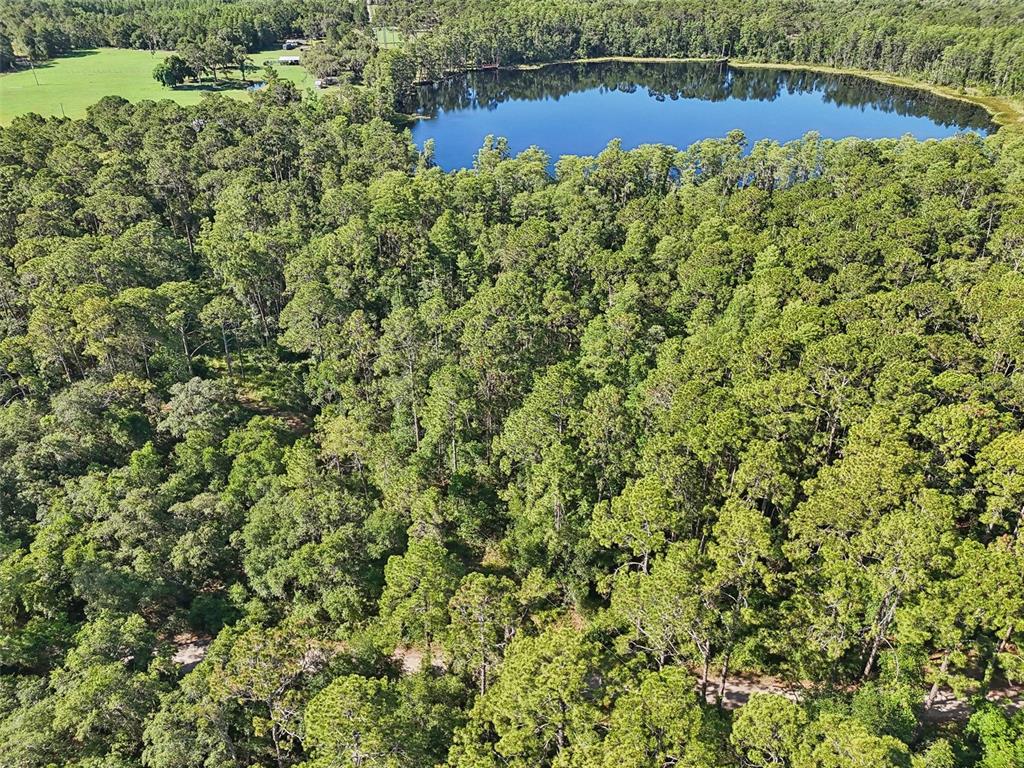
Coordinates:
<point>417,587</point>
<point>1000,737</point>
<point>768,731</point>
<point>836,742</point>
<point>356,721</point>
<point>660,722</point>
<point>171,71</point>
<point>483,617</point>
<point>302,541</point>
<point>543,710</point>
<point>939,754</point>
<point>638,519</point>
<point>377,722</point>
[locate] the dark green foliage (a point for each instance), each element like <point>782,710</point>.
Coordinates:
<point>949,42</point>
<point>42,29</point>
<point>172,71</point>
<point>314,454</point>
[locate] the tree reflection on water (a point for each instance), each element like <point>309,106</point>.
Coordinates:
<point>706,81</point>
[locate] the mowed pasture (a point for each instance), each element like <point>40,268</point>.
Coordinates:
<point>68,85</point>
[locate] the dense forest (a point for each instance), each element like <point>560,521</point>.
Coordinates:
<point>42,29</point>
<point>947,42</point>
<point>499,468</point>
<point>312,454</point>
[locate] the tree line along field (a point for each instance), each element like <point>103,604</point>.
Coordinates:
<point>69,84</point>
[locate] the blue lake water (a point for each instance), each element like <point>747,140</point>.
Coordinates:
<point>576,109</point>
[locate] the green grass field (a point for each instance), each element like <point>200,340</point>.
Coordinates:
<point>388,37</point>
<point>70,84</point>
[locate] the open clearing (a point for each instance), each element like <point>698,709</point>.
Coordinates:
<point>388,37</point>
<point>69,84</point>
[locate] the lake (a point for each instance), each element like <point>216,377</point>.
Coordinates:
<point>578,108</point>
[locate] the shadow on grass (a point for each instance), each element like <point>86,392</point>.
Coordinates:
<point>214,87</point>
<point>77,54</point>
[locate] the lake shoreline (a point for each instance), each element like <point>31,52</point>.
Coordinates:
<point>1004,111</point>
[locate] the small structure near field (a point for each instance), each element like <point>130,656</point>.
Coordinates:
<point>289,60</point>
<point>292,43</point>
